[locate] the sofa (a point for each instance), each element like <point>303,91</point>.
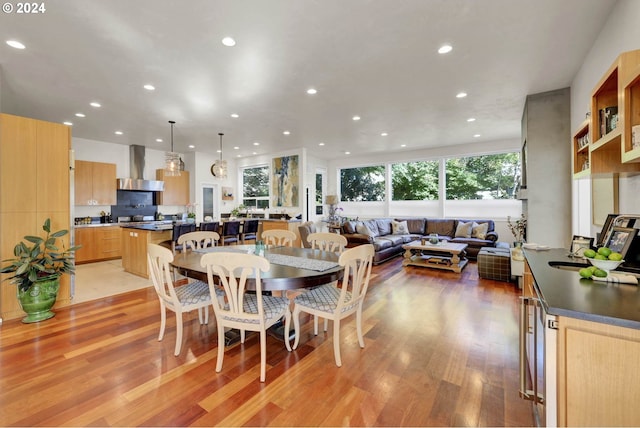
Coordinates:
<point>388,235</point>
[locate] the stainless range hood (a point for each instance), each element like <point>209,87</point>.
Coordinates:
<point>136,167</point>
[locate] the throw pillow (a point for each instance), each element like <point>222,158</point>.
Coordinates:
<point>399,228</point>
<point>464,230</point>
<point>362,229</point>
<point>479,230</point>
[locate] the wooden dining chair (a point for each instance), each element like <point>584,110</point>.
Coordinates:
<point>326,241</point>
<point>230,232</point>
<point>279,237</point>
<point>192,296</point>
<point>179,229</point>
<point>241,309</point>
<point>336,303</point>
<point>249,230</point>
<point>198,240</point>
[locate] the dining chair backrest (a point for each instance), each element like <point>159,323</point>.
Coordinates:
<point>230,232</point>
<point>180,229</point>
<point>357,262</point>
<point>210,226</point>
<point>326,241</point>
<point>279,237</point>
<point>159,259</point>
<point>197,240</point>
<point>241,309</point>
<point>250,230</point>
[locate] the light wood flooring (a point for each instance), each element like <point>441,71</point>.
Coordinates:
<point>441,350</point>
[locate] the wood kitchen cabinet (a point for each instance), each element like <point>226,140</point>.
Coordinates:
<point>34,186</point>
<point>176,188</point>
<point>95,183</point>
<point>134,248</point>
<point>598,376</point>
<point>98,243</point>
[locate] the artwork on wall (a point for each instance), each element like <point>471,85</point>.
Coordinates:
<point>227,193</point>
<point>285,182</point>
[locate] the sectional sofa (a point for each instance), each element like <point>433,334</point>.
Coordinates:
<point>388,235</point>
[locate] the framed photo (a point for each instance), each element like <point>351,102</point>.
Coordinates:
<point>579,244</point>
<point>620,239</point>
<point>606,230</point>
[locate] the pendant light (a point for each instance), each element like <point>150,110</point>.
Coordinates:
<point>171,159</point>
<point>219,167</point>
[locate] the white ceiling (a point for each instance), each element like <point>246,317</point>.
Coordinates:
<point>372,58</point>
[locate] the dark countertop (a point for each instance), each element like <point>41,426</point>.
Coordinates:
<point>565,293</point>
<point>153,227</point>
<point>82,226</point>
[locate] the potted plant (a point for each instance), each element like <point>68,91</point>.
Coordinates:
<point>36,271</point>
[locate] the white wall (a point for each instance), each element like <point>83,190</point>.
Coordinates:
<point>620,33</point>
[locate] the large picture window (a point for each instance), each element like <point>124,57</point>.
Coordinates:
<point>483,177</point>
<point>362,184</point>
<point>255,187</point>
<point>414,181</point>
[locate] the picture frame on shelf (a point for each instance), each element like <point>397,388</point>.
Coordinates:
<point>620,239</point>
<point>606,229</point>
<point>579,244</point>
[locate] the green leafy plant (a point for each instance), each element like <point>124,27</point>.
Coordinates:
<point>43,259</point>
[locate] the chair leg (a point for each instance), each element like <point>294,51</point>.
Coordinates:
<point>163,320</point>
<point>296,324</point>
<point>178,333</point>
<point>242,336</point>
<point>326,324</point>
<point>315,325</point>
<point>220,348</point>
<point>287,326</point>
<point>336,342</point>
<point>263,355</point>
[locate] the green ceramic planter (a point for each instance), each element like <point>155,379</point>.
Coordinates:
<point>38,300</point>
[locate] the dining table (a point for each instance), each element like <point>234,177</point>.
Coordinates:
<point>290,269</point>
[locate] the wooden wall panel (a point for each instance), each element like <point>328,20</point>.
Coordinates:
<point>17,175</point>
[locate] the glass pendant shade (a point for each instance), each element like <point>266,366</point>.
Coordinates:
<point>219,168</point>
<point>172,159</point>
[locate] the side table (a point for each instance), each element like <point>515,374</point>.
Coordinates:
<point>517,268</point>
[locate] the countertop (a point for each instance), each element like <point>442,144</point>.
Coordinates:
<point>154,227</point>
<point>82,226</point>
<point>565,293</point>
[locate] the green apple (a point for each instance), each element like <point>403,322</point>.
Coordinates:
<point>616,257</point>
<point>589,253</point>
<point>604,251</point>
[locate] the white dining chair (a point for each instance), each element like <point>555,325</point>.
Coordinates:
<point>336,303</point>
<point>192,296</point>
<point>279,237</point>
<point>241,309</point>
<point>198,240</point>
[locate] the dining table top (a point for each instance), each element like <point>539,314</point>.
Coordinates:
<point>300,270</point>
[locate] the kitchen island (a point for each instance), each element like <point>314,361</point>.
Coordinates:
<point>135,240</point>
<point>591,343</point>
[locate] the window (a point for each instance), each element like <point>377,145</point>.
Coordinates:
<point>483,177</point>
<point>255,187</point>
<point>318,202</point>
<point>414,181</point>
<point>362,184</point>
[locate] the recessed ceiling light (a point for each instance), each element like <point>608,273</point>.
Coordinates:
<point>235,115</point>
<point>228,41</point>
<point>238,156</point>
<point>94,104</point>
<point>471,119</point>
<point>80,114</point>
<point>403,145</point>
<point>158,140</point>
<point>15,44</point>
<point>312,91</point>
<point>218,151</point>
<point>321,144</point>
<point>461,95</point>
<point>256,143</point>
<point>118,132</point>
<point>384,134</point>
<point>347,153</point>
<point>254,153</point>
<point>445,49</point>
<point>286,132</point>
<point>476,135</point>
<point>356,118</point>
<point>67,123</point>
<point>236,148</point>
<point>149,87</point>
<point>191,146</point>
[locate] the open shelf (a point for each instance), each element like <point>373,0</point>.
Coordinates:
<point>581,143</point>
<point>631,141</point>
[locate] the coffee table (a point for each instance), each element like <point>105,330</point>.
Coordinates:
<point>443,255</point>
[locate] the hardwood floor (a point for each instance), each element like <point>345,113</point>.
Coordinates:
<point>441,350</point>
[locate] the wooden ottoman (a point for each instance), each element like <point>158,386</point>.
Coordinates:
<point>494,263</point>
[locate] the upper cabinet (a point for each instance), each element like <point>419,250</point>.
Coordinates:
<point>176,188</point>
<point>615,111</point>
<point>95,183</point>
